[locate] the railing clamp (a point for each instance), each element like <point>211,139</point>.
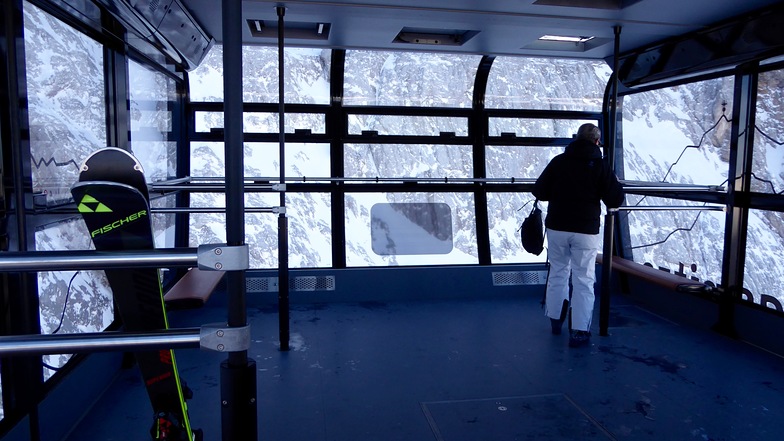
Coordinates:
<point>221,338</point>
<point>221,257</point>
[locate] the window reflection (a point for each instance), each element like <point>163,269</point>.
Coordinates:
<point>152,99</point>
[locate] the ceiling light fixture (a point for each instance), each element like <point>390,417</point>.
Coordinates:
<point>565,38</point>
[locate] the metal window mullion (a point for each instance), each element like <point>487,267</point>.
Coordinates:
<point>739,185</point>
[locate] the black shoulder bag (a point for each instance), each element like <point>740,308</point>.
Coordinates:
<point>532,231</point>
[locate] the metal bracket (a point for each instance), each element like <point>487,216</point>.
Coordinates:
<point>221,338</point>
<point>279,187</point>
<point>279,210</point>
<point>221,257</point>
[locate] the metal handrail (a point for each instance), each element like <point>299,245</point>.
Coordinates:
<point>256,182</point>
<point>99,341</point>
<point>87,260</point>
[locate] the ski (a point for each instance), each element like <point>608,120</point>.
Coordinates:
<point>113,199</point>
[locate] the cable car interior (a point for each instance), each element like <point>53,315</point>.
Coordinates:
<point>335,191</point>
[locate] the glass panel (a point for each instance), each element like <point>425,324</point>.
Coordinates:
<point>508,210</point>
<point>262,160</point>
<point>547,84</point>
<point>205,83</point>
<point>310,232</point>
<point>518,161</point>
<point>66,102</point>
<point>260,122</point>
<point>152,98</point>
<point>70,301</point>
<point>768,161</point>
<point>359,240</point>
<point>763,274</point>
<point>404,160</point>
<point>407,125</point>
<point>411,228</point>
<point>163,223</point>
<point>689,242</point>
<point>413,79</point>
<point>539,128</point>
<point>667,131</point>
<point>306,75</point>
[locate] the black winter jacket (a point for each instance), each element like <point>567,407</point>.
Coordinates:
<point>573,183</point>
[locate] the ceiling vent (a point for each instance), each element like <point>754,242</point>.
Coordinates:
<point>291,30</point>
<point>566,44</point>
<point>435,37</point>
<point>590,4</point>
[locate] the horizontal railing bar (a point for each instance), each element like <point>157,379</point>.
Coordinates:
<point>628,185</point>
<point>88,259</point>
<point>670,208</point>
<point>212,210</point>
<point>99,341</point>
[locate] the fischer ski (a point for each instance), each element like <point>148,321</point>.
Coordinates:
<point>113,199</point>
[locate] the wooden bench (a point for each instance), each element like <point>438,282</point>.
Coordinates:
<point>660,277</point>
<point>193,289</point>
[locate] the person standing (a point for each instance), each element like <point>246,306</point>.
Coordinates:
<point>573,184</point>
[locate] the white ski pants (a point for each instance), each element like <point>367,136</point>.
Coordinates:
<point>575,253</point>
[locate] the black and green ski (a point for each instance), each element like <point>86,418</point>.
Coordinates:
<point>113,199</point>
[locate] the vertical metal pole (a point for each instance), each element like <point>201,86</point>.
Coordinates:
<point>739,185</point>
<point>238,373</point>
<point>609,218</point>
<point>283,233</point>
<point>23,387</point>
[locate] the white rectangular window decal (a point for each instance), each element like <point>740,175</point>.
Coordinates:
<point>411,228</point>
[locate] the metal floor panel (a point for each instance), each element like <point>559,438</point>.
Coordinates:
<point>419,370</point>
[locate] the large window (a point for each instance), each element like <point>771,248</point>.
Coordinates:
<point>412,79</point>
<point>665,133</point>
<point>309,213</point>
<point>67,114</point>
<point>306,80</point>
<point>764,272</point>
<point>66,104</point>
<point>546,84</point>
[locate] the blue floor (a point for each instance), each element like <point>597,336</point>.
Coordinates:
<point>471,370</point>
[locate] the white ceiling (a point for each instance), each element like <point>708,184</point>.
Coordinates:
<point>505,27</point>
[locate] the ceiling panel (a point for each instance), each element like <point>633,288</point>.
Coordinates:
<point>499,27</point>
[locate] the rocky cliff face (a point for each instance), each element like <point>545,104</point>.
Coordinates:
<point>677,135</point>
